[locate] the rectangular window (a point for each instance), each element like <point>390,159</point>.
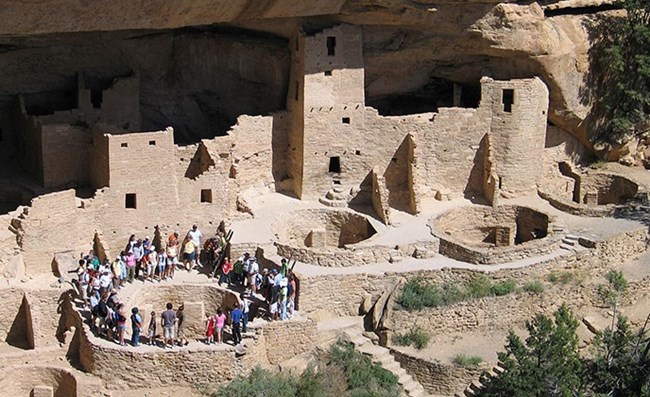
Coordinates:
<point>130,201</point>
<point>335,164</point>
<point>297,91</point>
<point>206,195</point>
<point>328,73</point>
<point>124,144</point>
<point>331,45</point>
<point>345,120</point>
<point>508,100</point>
<point>152,143</point>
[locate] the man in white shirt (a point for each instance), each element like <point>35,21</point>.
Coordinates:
<point>253,269</point>
<point>195,235</point>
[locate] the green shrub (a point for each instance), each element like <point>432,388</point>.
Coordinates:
<point>416,295</point>
<point>561,277</point>
<point>415,336</point>
<point>479,287</point>
<point>343,371</point>
<point>536,287</point>
<point>465,361</point>
<point>504,287</point>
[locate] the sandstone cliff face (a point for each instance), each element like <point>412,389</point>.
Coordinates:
<point>408,44</point>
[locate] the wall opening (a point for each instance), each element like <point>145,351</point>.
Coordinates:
<point>130,201</point>
<point>1,135</point>
<point>345,120</point>
<point>328,73</point>
<point>96,97</point>
<point>152,143</point>
<point>124,144</point>
<point>508,99</point>
<point>565,169</point>
<point>297,92</point>
<point>331,45</point>
<point>206,195</point>
<point>335,164</point>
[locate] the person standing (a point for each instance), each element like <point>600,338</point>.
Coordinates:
<point>220,322</point>
<point>180,335</point>
<point>195,236</point>
<point>236,316</point>
<point>136,327</point>
<point>152,328</point>
<point>246,305</point>
<point>226,268</point>
<point>167,320</point>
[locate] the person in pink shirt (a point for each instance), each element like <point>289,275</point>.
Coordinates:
<point>220,323</point>
<point>130,265</point>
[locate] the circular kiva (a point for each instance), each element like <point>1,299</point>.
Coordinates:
<point>489,235</point>
<point>333,238</point>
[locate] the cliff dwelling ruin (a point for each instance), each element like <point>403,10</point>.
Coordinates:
<point>367,143</point>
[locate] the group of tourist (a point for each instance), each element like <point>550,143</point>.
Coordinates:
<point>99,282</point>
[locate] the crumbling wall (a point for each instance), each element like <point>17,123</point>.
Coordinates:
<point>52,224</point>
<point>21,381</point>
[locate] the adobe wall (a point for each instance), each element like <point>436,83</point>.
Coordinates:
<point>259,149</point>
<point>436,378</point>
<point>65,155</point>
<point>446,152</point>
<point>52,224</point>
<point>517,132</point>
<point>12,299</point>
<point>339,51</point>
<point>46,309</point>
<point>287,339</point>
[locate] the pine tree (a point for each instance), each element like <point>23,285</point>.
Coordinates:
<point>546,365</point>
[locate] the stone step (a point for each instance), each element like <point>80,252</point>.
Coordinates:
<point>572,237</point>
<point>404,379</point>
<point>566,247</point>
<point>476,386</point>
<point>569,242</point>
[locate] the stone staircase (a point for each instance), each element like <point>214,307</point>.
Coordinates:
<point>336,197</point>
<point>477,385</point>
<point>571,243</point>
<point>382,356</point>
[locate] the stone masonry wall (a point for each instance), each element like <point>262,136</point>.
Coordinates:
<point>517,131</point>
<point>499,312</point>
<point>287,339</point>
<point>436,378</point>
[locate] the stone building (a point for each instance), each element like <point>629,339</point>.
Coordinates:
<point>335,140</point>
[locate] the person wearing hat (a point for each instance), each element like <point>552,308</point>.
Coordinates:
<point>136,327</point>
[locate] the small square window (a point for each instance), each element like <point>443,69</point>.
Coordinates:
<point>345,120</point>
<point>206,195</point>
<point>130,201</point>
<point>357,152</point>
<point>124,144</point>
<point>152,143</point>
<point>328,73</point>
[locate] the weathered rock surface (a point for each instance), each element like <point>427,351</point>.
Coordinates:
<point>409,46</point>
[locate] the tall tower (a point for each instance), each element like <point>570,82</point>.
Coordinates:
<point>326,103</point>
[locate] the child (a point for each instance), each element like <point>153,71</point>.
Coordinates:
<point>209,332</point>
<point>220,322</point>
<point>152,329</point>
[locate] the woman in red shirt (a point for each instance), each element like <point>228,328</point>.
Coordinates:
<point>226,268</point>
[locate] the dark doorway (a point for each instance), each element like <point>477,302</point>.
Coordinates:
<point>335,165</point>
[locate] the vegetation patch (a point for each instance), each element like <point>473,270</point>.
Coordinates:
<point>535,287</point>
<point>416,337</point>
<point>466,361</point>
<point>341,372</point>
<point>417,294</point>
